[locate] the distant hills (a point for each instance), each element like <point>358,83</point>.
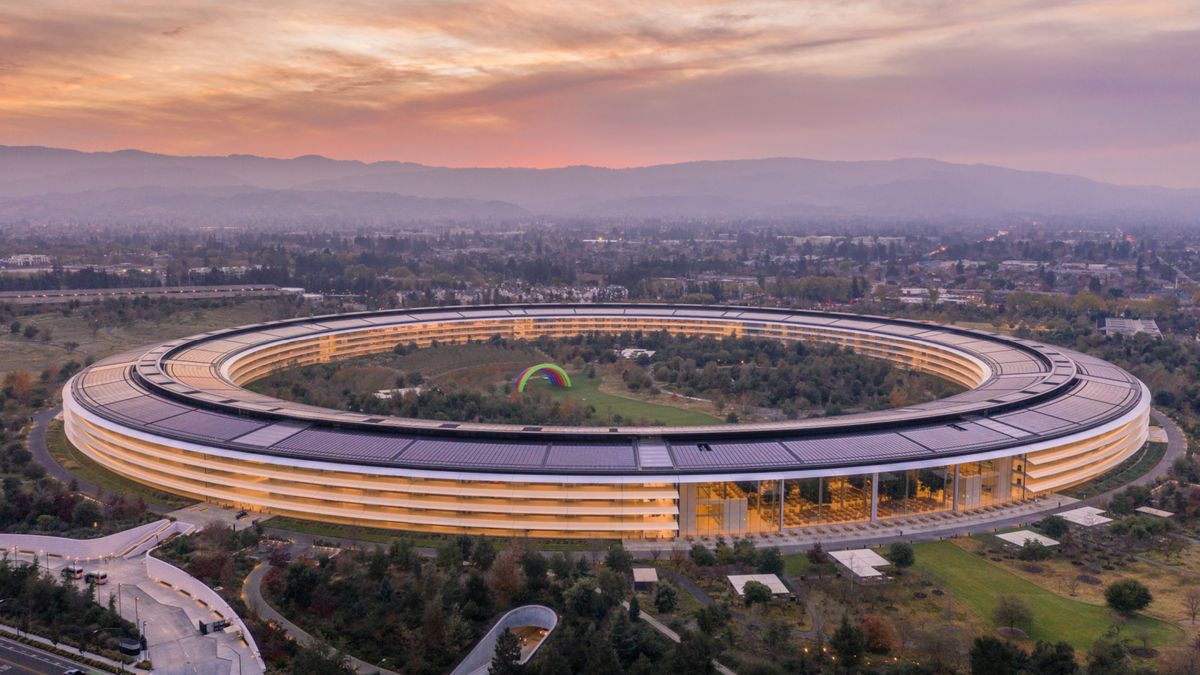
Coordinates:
<point>50,184</point>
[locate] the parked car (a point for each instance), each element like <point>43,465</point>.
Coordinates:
<point>98,578</point>
<point>72,572</point>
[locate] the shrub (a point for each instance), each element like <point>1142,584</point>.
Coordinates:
<point>817,555</point>
<point>901,554</point>
<point>702,556</point>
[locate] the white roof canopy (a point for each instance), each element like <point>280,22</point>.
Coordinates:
<point>861,562</point>
<point>1021,537</point>
<point>645,575</point>
<point>771,581</point>
<point>1086,516</point>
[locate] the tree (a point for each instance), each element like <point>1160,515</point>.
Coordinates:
<point>901,554</point>
<point>582,600</point>
<point>1012,611</point>
<point>635,609</point>
<point>1033,550</point>
<point>848,643</point>
<point>694,654</point>
<point>1053,659</point>
<point>1107,657</point>
<point>702,556</point>
<point>1054,526</point>
<point>665,598</point>
<point>756,592</point>
<point>993,656</point>
<point>618,558</point>
<point>625,640</point>
<point>86,513</point>
<point>879,635</point>
<point>505,578</point>
<point>1192,599</point>
<point>505,660</point>
<point>1127,596</point>
<point>770,560</point>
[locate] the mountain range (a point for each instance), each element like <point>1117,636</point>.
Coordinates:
<point>50,184</point>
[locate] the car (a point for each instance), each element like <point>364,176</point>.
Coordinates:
<point>241,514</point>
<point>72,572</point>
<point>74,671</point>
<point>98,578</point>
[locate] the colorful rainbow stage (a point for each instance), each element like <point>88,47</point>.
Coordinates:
<point>557,376</point>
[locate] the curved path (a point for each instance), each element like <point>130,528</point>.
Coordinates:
<point>41,454</point>
<point>252,592</point>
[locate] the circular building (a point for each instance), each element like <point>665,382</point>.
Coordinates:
<point>1034,419</point>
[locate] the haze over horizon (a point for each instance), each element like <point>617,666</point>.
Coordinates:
<point>1105,89</point>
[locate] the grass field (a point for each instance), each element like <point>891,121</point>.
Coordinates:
<point>588,391</point>
<point>1127,471</point>
<point>423,540</point>
<point>87,469</point>
<point>979,584</point>
<point>17,353</point>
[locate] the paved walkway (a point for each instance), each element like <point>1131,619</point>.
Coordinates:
<point>686,584</point>
<point>252,592</point>
<point>672,635</point>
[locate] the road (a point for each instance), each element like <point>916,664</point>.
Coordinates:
<point>16,657</point>
<point>41,455</point>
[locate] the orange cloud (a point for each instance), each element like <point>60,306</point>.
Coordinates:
<point>540,83</point>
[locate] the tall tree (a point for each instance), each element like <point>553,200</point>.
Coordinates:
<point>506,659</point>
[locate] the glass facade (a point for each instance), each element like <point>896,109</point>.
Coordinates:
<point>734,508</point>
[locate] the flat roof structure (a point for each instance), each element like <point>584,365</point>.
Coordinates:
<point>1022,537</point>
<point>645,575</point>
<point>1034,419</point>
<point>1087,516</point>
<point>862,562</point>
<point>1131,327</point>
<point>1151,511</point>
<point>771,581</point>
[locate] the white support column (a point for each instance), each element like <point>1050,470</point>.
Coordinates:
<point>874,497</point>
<point>956,488</point>
<point>782,496</point>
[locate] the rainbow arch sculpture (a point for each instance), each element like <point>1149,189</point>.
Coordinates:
<point>557,376</point>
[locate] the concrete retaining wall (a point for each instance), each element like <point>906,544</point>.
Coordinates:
<point>78,549</point>
<point>161,571</point>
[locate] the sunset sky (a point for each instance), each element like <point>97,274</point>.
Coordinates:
<point>1104,88</point>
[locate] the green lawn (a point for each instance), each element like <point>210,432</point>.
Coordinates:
<point>378,535</point>
<point>588,391</point>
<point>87,469</point>
<point>979,584</point>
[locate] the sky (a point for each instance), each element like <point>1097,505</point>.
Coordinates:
<point>1108,89</point>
